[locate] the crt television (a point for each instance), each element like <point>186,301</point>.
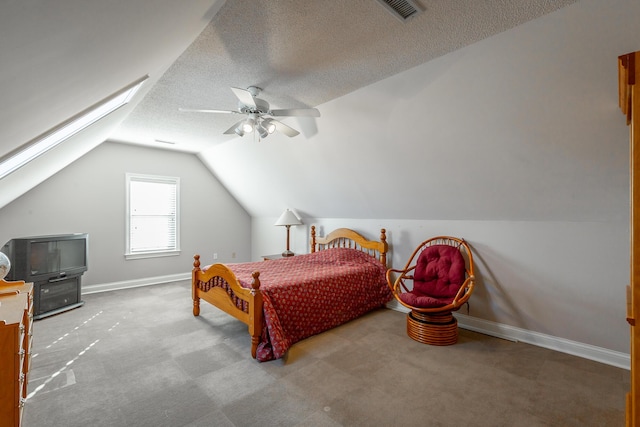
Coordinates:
<point>41,258</point>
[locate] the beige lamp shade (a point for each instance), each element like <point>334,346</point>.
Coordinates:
<point>288,218</point>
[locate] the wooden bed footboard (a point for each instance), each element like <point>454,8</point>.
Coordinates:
<point>219,286</point>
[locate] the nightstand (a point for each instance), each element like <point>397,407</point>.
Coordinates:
<point>272,257</point>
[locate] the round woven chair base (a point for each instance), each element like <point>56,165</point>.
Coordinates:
<point>439,329</point>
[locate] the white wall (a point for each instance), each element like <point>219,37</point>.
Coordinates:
<point>89,196</point>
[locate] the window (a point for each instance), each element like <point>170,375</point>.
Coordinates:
<point>152,216</point>
<point>55,136</point>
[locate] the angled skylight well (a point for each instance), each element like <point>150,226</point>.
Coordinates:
<point>67,129</point>
<point>403,10</point>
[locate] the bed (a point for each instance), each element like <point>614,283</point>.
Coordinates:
<point>285,300</point>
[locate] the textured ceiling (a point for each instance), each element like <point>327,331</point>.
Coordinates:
<point>303,54</point>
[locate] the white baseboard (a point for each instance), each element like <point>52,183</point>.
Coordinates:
<point>104,287</point>
<point>512,333</point>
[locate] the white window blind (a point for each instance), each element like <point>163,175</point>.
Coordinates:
<point>153,220</point>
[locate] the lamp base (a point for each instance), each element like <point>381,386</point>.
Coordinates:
<point>287,253</point>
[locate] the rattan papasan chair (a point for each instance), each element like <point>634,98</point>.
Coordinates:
<point>437,280</point>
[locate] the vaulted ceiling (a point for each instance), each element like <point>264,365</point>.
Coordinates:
<point>61,57</point>
<point>305,54</point>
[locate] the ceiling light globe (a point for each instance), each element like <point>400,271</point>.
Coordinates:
<point>270,127</point>
<point>247,127</point>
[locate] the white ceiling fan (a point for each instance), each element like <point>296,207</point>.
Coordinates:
<point>259,115</point>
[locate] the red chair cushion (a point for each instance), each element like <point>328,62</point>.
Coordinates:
<point>439,273</point>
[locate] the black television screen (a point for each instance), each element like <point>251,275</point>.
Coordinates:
<point>56,256</point>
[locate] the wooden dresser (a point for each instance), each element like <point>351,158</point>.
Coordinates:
<point>629,99</point>
<point>16,322</point>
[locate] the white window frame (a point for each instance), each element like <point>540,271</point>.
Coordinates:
<point>169,251</point>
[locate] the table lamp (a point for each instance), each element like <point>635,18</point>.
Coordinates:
<point>288,219</point>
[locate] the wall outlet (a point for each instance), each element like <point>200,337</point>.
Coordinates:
<point>215,255</point>
<point>233,254</point>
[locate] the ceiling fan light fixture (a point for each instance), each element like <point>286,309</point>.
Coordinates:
<point>255,110</point>
<point>263,127</point>
<point>247,126</point>
<point>262,132</point>
<point>239,130</point>
<point>269,126</point>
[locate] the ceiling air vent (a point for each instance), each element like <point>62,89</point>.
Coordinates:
<point>404,10</point>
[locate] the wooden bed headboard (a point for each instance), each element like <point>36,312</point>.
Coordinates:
<point>347,238</point>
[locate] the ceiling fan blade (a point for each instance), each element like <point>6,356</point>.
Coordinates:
<point>296,112</point>
<point>281,127</point>
<point>232,129</point>
<point>201,110</point>
<point>244,96</point>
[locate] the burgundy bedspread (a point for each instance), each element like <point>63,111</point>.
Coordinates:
<point>308,294</point>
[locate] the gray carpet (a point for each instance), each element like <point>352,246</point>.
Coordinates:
<point>138,357</point>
